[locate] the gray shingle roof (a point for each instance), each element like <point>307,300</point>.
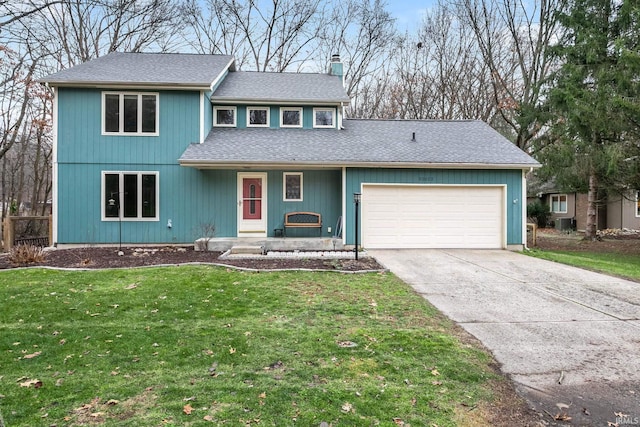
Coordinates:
<point>362,142</point>
<point>274,87</point>
<point>152,69</point>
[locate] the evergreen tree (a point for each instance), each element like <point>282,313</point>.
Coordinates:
<point>593,98</point>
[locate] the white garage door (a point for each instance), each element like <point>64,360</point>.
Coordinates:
<point>403,216</point>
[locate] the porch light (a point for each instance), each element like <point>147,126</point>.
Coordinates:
<point>356,199</point>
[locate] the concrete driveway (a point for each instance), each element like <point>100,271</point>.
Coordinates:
<point>567,337</point>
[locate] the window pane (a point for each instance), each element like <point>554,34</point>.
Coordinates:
<point>149,113</point>
<point>257,117</point>
<point>225,117</point>
<point>292,191</point>
<point>131,113</point>
<point>130,196</point>
<point>291,117</point>
<point>148,196</point>
<point>111,113</point>
<point>324,118</point>
<point>111,193</point>
<point>563,203</point>
<point>638,203</point>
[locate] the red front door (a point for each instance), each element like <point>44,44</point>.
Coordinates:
<point>251,198</point>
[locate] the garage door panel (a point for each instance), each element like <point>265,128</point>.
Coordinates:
<point>432,217</point>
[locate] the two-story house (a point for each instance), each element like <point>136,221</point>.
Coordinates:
<point>158,145</point>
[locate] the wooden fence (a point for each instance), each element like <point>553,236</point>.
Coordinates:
<point>26,230</point>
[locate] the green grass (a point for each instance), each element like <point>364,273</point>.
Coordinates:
<point>627,266</point>
<point>141,347</point>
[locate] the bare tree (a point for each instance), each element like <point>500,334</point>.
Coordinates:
<point>74,31</point>
<point>514,38</point>
<point>13,11</point>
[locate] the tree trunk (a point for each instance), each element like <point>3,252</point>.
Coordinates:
<point>592,198</point>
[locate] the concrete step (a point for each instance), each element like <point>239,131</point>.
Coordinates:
<point>247,250</point>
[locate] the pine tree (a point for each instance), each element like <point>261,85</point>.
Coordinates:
<point>593,98</point>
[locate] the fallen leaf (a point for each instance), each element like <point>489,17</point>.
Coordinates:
<point>112,402</point>
<point>562,417</point>
<point>208,418</point>
<point>97,414</point>
<point>32,355</point>
<point>398,421</point>
<point>232,350</point>
<point>347,407</point>
<point>187,409</point>
<point>262,395</point>
<point>435,372</point>
<point>131,286</point>
<point>436,382</point>
<point>34,382</point>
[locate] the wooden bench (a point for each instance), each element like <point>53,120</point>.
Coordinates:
<point>302,220</point>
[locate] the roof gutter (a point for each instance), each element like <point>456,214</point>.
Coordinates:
<point>207,164</point>
<point>128,86</point>
<point>275,101</point>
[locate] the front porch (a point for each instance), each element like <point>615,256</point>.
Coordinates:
<point>267,244</point>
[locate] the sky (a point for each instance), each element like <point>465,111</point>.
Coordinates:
<point>408,13</point>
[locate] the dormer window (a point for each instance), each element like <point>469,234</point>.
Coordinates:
<point>291,117</point>
<point>258,117</point>
<point>224,116</point>
<point>324,117</point>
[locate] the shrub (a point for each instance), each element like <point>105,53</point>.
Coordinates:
<point>26,254</point>
<point>539,213</point>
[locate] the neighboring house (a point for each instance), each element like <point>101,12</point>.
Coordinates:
<point>612,212</point>
<point>163,145</point>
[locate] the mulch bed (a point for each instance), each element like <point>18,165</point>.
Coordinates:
<point>107,257</point>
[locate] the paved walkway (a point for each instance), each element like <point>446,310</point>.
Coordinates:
<point>567,337</point>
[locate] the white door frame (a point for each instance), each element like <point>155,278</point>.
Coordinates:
<point>252,228</point>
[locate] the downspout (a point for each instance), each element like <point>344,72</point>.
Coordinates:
<point>54,171</point>
<point>524,208</point>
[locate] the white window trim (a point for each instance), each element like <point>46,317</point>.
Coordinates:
<point>283,109</point>
<point>636,205</point>
<point>267,109</point>
<point>215,116</point>
<point>121,175</point>
<point>566,204</point>
<point>121,115</point>
<point>333,118</point>
<point>284,186</point>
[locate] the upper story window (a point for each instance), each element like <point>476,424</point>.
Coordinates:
<point>291,117</point>
<point>559,203</point>
<point>258,117</point>
<point>324,117</point>
<point>129,113</point>
<point>638,204</point>
<point>130,196</point>
<point>224,116</point>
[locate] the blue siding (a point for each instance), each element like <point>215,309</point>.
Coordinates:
<point>189,198</point>
<point>274,115</point>
<point>511,178</point>
<point>80,139</point>
<point>321,194</point>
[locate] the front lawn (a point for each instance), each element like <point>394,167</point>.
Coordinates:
<point>616,264</point>
<point>205,345</point>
